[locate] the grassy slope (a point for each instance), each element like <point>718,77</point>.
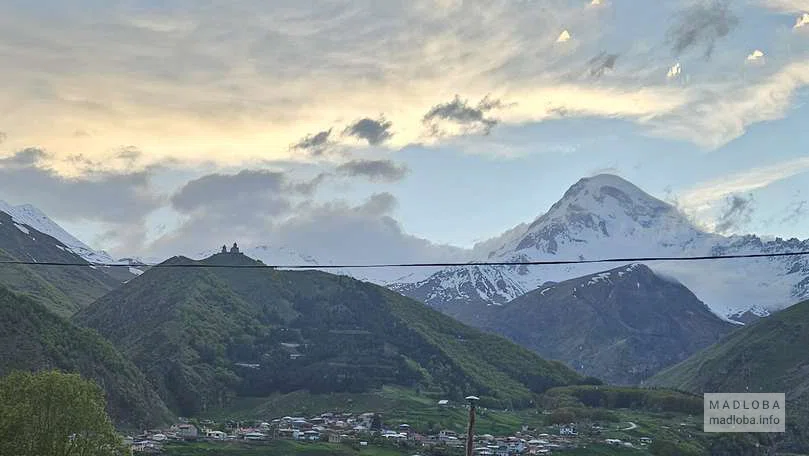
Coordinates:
<point>276,448</point>
<point>186,329</point>
<point>64,290</point>
<point>767,356</point>
<point>33,338</point>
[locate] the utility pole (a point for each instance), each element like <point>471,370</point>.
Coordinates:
<point>470,431</point>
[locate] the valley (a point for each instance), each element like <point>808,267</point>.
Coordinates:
<point>223,338</point>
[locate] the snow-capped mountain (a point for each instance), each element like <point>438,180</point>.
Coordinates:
<point>27,214</point>
<point>621,325</point>
<point>607,217</point>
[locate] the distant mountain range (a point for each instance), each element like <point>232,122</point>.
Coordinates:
<point>603,216</point>
<point>205,335</point>
<point>607,217</point>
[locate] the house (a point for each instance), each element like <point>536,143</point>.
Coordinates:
<point>568,430</point>
<point>443,402</point>
<point>254,436</point>
<point>334,437</point>
<point>146,446</point>
<point>216,435</point>
<point>645,440</point>
<point>447,435</point>
<point>187,431</point>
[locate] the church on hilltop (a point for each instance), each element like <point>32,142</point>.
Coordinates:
<point>234,249</point>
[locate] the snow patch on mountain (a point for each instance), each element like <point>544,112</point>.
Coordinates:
<point>604,217</point>
<point>29,215</point>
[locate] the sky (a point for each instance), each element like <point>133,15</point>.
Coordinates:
<point>395,130</point>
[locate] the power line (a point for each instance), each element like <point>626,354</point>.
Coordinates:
<point>412,265</point>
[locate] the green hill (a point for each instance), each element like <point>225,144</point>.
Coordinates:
<point>769,355</point>
<point>33,338</point>
<point>64,290</point>
<point>204,335</point>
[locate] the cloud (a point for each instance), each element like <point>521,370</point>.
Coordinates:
<point>237,84</point>
<point>796,212</point>
<point>119,200</point>
<point>564,37</point>
<point>736,214</point>
<point>24,158</point>
<point>802,20</point>
<point>3,137</point>
<point>357,234</point>
<point>701,197</point>
<point>315,144</point>
<point>755,56</point>
<point>383,170</point>
<point>374,131</point>
<point>786,6</point>
<point>333,232</point>
<point>713,117</point>
<point>675,71</point>
<point>231,195</point>
<point>602,63</point>
<point>701,25</point>
<point>458,113</point>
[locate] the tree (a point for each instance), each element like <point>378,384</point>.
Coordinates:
<point>376,422</point>
<point>54,414</point>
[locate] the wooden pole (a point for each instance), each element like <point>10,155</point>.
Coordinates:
<point>470,431</point>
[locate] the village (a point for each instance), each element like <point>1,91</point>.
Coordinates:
<point>367,429</point>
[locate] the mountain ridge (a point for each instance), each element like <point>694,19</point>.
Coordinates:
<point>42,340</point>
<point>211,334</point>
<point>620,325</point>
<point>63,289</point>
<point>766,356</point>
<point>605,216</point>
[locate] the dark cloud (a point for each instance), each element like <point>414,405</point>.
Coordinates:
<point>472,118</point>
<point>601,63</point>
<point>315,144</point>
<point>796,212</point>
<point>375,131</point>
<point>356,234</point>
<point>261,190</point>
<point>121,200</point>
<point>383,170</point>
<point>701,25</point>
<point>129,153</point>
<point>24,158</point>
<point>239,207</point>
<point>736,214</point>
<point>309,187</point>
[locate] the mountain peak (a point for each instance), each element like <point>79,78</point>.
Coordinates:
<point>27,214</point>
<point>600,207</point>
<point>603,186</point>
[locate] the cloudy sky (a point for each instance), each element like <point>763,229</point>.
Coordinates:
<point>403,129</point>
